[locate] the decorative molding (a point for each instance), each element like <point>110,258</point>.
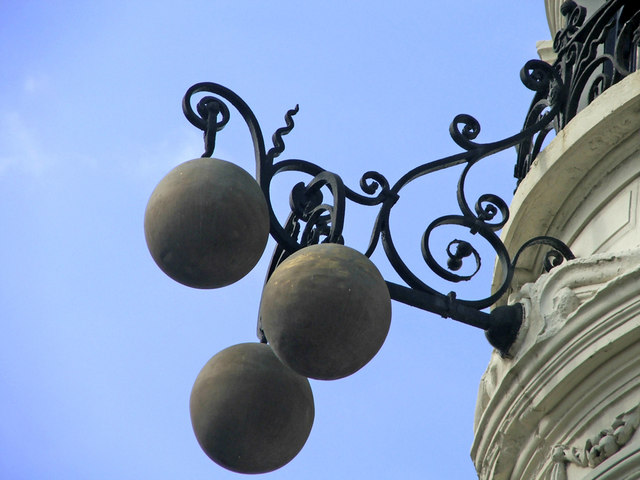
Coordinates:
<point>597,448</point>
<point>576,358</point>
<point>546,52</point>
<point>555,19</point>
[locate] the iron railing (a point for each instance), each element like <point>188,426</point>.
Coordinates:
<point>593,53</point>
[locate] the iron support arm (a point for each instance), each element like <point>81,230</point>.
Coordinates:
<point>501,326</point>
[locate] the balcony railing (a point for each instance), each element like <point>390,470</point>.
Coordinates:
<point>593,54</point>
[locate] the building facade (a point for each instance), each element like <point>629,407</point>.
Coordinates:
<point>565,403</point>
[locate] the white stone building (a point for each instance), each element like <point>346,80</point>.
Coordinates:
<point>565,404</point>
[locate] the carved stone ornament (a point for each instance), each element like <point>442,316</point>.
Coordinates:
<point>598,448</point>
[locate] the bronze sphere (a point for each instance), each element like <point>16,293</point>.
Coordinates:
<point>326,311</point>
<point>250,413</point>
<point>207,223</point>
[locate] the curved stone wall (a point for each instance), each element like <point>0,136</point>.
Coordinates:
<point>566,405</point>
<point>582,188</point>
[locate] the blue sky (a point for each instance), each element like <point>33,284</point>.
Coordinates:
<point>98,348</point>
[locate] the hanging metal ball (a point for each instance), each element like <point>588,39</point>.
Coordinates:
<point>207,223</point>
<point>326,311</point>
<point>250,413</point>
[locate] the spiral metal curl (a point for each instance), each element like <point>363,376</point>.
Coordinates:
<point>558,253</point>
<point>470,130</point>
<point>278,142</point>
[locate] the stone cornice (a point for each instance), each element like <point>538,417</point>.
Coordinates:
<point>599,447</point>
<point>581,334</point>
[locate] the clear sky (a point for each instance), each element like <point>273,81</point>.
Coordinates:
<point>98,348</point>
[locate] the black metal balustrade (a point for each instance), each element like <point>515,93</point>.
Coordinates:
<point>593,54</point>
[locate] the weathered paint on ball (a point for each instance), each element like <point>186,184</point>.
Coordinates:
<point>326,311</point>
<point>207,223</point>
<point>250,413</point>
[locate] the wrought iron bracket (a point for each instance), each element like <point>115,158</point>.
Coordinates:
<point>314,218</point>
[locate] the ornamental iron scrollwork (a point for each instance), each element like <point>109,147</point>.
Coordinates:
<point>318,207</point>
<point>593,53</point>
